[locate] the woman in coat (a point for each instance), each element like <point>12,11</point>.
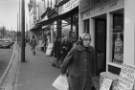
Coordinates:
<point>80,65</point>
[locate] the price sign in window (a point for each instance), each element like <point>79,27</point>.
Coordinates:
<point>117,42</point>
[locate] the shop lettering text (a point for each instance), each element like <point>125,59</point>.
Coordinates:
<point>68,6</point>
<point>105,5</point>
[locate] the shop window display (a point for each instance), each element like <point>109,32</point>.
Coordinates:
<point>86,26</point>
<point>117,36</point>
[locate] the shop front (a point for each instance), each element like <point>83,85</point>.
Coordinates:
<point>69,18</point>
<point>66,17</point>
<point>63,17</point>
<point>104,20</point>
<point>111,25</point>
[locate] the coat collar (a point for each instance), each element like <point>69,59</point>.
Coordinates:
<point>82,48</point>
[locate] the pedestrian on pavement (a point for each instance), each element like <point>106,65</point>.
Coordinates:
<point>80,65</point>
<point>64,50</point>
<point>45,43</point>
<point>33,45</point>
<point>57,49</point>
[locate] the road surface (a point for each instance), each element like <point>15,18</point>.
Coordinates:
<point>5,55</point>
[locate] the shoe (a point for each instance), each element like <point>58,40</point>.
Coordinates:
<point>55,65</point>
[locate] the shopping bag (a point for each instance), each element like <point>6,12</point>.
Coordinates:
<point>61,83</point>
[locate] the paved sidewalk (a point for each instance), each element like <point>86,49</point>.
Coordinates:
<point>37,73</point>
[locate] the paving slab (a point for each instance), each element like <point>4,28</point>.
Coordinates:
<point>37,73</point>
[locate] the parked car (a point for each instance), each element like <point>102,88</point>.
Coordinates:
<point>6,43</point>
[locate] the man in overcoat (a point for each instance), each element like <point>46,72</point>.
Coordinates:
<point>80,65</point>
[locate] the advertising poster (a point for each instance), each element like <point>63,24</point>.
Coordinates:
<point>127,78</point>
<point>106,84</point>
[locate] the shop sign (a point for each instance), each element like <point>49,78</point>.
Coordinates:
<point>105,7</point>
<point>127,78</point>
<point>101,1</point>
<point>105,2</point>
<point>106,84</point>
<point>68,6</point>
<point>128,72</point>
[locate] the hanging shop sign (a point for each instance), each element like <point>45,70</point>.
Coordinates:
<point>68,6</point>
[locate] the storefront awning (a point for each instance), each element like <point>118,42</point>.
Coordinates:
<point>62,16</point>
<point>62,2</point>
<point>35,28</point>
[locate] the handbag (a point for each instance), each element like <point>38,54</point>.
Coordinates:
<point>61,83</point>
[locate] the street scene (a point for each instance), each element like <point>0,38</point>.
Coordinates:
<point>67,45</point>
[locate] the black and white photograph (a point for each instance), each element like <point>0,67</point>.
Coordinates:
<point>67,44</point>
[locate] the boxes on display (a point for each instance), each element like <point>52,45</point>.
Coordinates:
<point>126,79</point>
<point>107,79</point>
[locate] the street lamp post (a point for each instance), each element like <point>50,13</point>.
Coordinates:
<point>23,31</point>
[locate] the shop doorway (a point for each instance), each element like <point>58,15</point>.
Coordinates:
<point>100,42</point>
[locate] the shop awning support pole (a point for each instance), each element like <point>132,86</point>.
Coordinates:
<point>23,31</point>
<point>59,28</point>
<point>71,23</point>
<point>70,34</point>
<point>77,29</point>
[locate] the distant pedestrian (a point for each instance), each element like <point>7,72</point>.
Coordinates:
<point>64,50</point>
<point>79,65</point>
<point>33,45</point>
<point>45,43</point>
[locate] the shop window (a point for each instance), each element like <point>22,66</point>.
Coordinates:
<point>86,26</point>
<point>117,37</point>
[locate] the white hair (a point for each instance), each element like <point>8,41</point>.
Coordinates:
<point>84,35</point>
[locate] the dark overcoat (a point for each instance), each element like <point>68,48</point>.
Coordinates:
<point>80,65</point>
